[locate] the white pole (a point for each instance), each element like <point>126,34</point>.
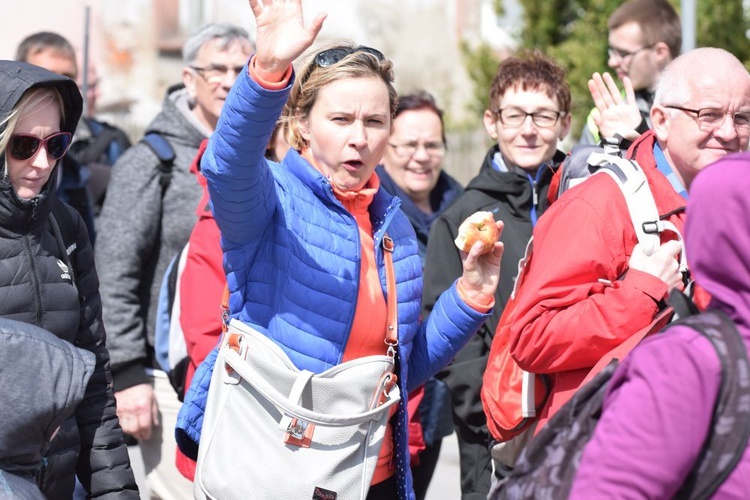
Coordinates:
<point>85,62</point>
<point>688,24</point>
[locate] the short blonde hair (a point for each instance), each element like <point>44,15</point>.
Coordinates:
<point>31,100</point>
<point>311,78</point>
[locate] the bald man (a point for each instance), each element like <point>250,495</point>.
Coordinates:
<point>589,287</point>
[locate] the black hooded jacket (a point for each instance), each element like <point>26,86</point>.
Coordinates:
<point>509,196</point>
<point>43,283</point>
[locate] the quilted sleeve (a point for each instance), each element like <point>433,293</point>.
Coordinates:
<point>240,183</point>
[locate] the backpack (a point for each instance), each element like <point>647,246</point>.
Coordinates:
<point>98,154</point>
<point>169,344</point>
<point>548,465</point>
<point>170,348</point>
<point>106,145</point>
<point>511,397</point>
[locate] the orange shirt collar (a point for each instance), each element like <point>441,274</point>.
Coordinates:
<point>363,197</point>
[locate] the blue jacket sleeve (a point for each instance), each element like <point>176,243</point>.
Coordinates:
<point>443,333</point>
<point>240,182</point>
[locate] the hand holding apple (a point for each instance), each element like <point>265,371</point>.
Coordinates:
<point>481,262</point>
<point>479,226</point>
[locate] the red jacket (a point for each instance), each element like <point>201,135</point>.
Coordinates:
<point>568,316</point>
<point>201,286</point>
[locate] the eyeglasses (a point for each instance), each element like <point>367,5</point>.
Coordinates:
<point>329,57</point>
<point>514,117</point>
<point>621,55</point>
<point>25,146</point>
<point>711,118</point>
<point>409,149</point>
<point>215,73</point>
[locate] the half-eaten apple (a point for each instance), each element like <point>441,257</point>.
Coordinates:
<point>479,226</point>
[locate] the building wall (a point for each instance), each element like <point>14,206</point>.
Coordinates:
<point>136,44</point>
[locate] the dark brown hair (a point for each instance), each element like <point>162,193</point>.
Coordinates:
<point>420,100</point>
<point>530,70</point>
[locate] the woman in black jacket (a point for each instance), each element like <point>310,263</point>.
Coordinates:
<point>47,275</point>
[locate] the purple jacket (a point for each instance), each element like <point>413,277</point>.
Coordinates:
<point>658,410</point>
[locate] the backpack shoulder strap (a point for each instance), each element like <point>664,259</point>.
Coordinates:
<point>101,137</point>
<point>728,439</point>
<point>164,151</point>
<point>634,186</point>
<point>640,200</point>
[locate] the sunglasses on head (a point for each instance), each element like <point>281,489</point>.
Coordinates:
<point>25,146</point>
<point>332,56</point>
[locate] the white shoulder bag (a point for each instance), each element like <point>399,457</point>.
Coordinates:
<point>273,431</point>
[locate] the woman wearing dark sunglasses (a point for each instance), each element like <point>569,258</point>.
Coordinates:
<point>302,239</point>
<point>47,278</point>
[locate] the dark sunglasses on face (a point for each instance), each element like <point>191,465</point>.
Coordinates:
<point>25,146</point>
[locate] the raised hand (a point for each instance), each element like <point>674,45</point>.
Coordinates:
<point>662,264</point>
<point>481,272</point>
<point>281,34</point>
<point>613,114</point>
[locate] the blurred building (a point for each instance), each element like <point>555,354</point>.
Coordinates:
<point>136,44</point>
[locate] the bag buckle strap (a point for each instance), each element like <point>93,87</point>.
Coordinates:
<point>391,330</point>
<point>387,383</point>
<point>298,432</point>
<point>236,343</point>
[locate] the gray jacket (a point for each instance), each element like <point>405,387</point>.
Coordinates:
<point>139,231</point>
<point>61,373</point>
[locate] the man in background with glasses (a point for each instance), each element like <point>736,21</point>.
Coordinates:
<point>644,36</point>
<point>146,219</point>
<point>529,113</point>
<point>590,291</point>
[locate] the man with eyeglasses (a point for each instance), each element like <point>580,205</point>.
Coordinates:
<point>644,36</point>
<point>529,113</point>
<point>591,292</point>
<point>146,219</point>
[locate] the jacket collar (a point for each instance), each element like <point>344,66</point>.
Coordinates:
<point>668,201</point>
<point>381,207</point>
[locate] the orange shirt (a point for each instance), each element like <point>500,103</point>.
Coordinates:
<point>367,335</point>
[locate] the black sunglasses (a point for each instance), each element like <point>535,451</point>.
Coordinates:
<point>332,56</point>
<point>25,146</point>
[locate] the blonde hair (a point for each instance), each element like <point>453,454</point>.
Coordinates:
<point>312,78</point>
<point>31,101</point>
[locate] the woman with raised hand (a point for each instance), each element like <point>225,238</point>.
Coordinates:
<point>48,279</point>
<point>302,239</point>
